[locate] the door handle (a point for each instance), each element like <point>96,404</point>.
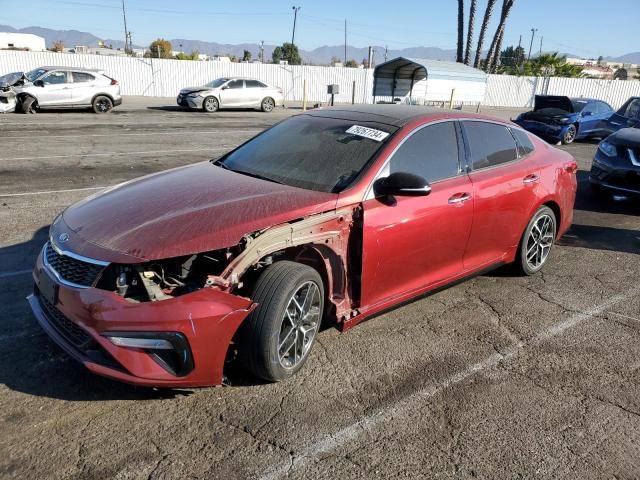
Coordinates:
<point>459,198</point>
<point>531,178</point>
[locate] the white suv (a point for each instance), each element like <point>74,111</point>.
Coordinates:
<point>67,87</point>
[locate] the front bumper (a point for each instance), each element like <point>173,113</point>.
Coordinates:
<point>187,101</point>
<point>616,178</point>
<point>549,132</point>
<point>206,318</point>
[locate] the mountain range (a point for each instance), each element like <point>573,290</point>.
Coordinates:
<point>319,56</point>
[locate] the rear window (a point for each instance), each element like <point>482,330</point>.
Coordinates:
<point>525,146</point>
<point>490,144</point>
<point>310,152</point>
<point>254,84</point>
<point>81,77</point>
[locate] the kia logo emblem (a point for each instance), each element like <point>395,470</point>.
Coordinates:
<point>63,237</point>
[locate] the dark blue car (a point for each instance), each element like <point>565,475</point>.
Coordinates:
<point>562,119</point>
<point>627,116</point>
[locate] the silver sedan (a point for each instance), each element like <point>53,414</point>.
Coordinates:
<point>231,93</point>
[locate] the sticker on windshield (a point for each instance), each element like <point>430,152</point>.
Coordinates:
<point>371,133</point>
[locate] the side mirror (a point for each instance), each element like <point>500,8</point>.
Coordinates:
<point>39,83</point>
<point>225,87</point>
<point>401,184</point>
<point>586,114</point>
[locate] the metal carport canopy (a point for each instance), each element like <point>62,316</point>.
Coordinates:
<point>386,76</point>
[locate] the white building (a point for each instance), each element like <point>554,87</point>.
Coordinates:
<point>22,41</point>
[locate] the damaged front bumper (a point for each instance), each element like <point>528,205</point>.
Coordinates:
<point>8,101</point>
<point>189,101</point>
<point>180,342</point>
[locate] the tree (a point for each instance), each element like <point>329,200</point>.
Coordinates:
<point>58,46</point>
<point>351,64</point>
<point>472,19</point>
<point>287,51</point>
<point>496,44</point>
<point>545,65</point>
<point>160,48</point>
<point>512,57</point>
<point>246,56</point>
<point>460,50</point>
<point>188,56</point>
<point>600,59</point>
<point>483,31</point>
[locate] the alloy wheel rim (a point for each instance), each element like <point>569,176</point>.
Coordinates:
<point>571,134</point>
<point>211,104</point>
<point>103,106</point>
<point>299,326</point>
<point>268,105</point>
<point>539,242</point>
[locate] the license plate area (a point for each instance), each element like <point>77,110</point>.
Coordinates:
<point>48,288</point>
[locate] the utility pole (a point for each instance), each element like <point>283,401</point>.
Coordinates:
<point>533,34</point>
<point>126,32</point>
<point>386,52</point>
<point>540,53</point>
<point>370,57</point>
<point>261,51</point>
<point>295,17</point>
<point>345,41</point>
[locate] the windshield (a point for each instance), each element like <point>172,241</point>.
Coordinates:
<point>310,152</point>
<point>578,105</point>
<point>218,82</point>
<point>33,75</point>
<point>631,109</point>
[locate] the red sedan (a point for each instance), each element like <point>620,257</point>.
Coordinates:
<point>331,215</point>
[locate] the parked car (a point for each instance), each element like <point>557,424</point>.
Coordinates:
<point>230,93</point>
<point>563,119</point>
<point>627,116</point>
<point>67,87</point>
<point>616,165</point>
<point>8,97</point>
<point>334,214</point>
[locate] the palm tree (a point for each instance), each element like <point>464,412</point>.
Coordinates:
<point>472,17</point>
<point>460,51</point>
<point>483,31</point>
<point>496,44</point>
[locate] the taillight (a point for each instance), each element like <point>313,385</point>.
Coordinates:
<point>114,81</point>
<point>571,167</point>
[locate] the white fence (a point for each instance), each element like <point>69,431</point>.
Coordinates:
<point>164,78</point>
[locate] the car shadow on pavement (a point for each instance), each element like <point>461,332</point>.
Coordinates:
<point>602,238</point>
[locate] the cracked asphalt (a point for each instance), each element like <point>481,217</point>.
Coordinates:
<point>497,377</point>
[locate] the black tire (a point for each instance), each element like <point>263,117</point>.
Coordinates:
<point>268,104</point>
<point>210,104</point>
<point>27,105</point>
<point>522,265</point>
<point>569,135</point>
<point>102,104</point>
<point>262,331</point>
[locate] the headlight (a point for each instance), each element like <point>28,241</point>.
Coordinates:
<point>608,149</point>
<point>564,120</point>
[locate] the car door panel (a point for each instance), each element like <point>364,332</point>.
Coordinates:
<point>56,90</point>
<point>234,95</point>
<point>82,88</point>
<point>410,243</point>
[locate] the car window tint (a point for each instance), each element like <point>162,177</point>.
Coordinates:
<point>431,152</point>
<point>55,78</point>
<point>254,84</point>
<point>524,143</point>
<point>606,108</point>
<point>633,109</point>
<point>490,144</point>
<point>235,84</point>
<point>81,77</point>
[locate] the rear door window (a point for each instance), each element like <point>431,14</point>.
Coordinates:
<point>490,144</point>
<point>431,152</point>
<point>82,77</point>
<point>525,147</point>
<point>254,84</point>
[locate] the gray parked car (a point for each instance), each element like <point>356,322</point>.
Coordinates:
<point>67,87</point>
<point>234,92</point>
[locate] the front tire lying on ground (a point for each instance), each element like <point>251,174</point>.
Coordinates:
<point>102,104</point>
<point>278,335</point>
<point>27,105</point>
<point>536,243</point>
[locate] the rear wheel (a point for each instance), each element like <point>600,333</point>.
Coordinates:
<point>536,243</point>
<point>102,104</point>
<point>278,335</point>
<point>569,135</point>
<point>210,104</point>
<point>268,104</point>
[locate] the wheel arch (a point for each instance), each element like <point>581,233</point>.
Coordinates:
<point>555,208</point>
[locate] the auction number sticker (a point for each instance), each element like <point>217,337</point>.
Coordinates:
<point>371,133</point>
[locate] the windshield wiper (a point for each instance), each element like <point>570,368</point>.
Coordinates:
<point>220,163</point>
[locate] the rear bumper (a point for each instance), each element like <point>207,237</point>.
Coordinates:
<point>117,102</point>
<point>207,319</point>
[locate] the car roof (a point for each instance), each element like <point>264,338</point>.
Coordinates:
<point>76,69</point>
<point>396,115</point>
<point>574,99</point>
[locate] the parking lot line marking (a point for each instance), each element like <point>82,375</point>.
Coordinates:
<point>628,317</point>
<point>14,274</point>
<point>113,154</point>
<point>332,442</point>
<point>164,133</point>
<point>42,192</point>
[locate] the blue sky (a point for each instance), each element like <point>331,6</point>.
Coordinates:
<point>584,27</point>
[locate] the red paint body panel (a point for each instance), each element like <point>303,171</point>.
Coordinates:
<point>409,247</point>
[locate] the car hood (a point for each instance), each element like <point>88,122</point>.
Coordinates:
<point>202,88</point>
<point>628,137</point>
<point>183,211</point>
<point>11,79</point>
<point>558,102</point>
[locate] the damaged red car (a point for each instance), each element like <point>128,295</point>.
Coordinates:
<point>329,216</point>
